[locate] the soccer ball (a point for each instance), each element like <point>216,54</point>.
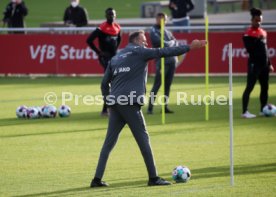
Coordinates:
<point>64,111</point>
<point>49,111</point>
<point>181,174</point>
<point>39,111</point>
<point>32,113</point>
<point>21,111</point>
<point>269,110</point>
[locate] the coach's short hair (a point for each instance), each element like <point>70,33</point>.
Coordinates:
<point>255,12</point>
<point>134,35</point>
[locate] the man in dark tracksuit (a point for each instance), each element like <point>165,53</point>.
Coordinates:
<point>170,62</point>
<point>179,10</point>
<point>14,14</point>
<point>259,66</point>
<point>75,15</point>
<point>109,37</point>
<point>126,78</point>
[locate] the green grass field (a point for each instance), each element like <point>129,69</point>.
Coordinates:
<point>57,157</point>
<point>41,11</point>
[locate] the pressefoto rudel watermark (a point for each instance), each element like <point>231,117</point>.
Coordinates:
<point>182,98</point>
<point>210,99</point>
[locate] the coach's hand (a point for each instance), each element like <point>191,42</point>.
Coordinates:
<point>196,44</point>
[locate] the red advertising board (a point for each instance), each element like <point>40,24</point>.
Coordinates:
<point>69,54</point>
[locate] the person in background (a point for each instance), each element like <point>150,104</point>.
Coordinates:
<point>125,77</point>
<point>259,65</point>
<point>109,39</point>
<point>75,15</point>
<point>14,15</point>
<point>179,11</point>
<point>170,62</point>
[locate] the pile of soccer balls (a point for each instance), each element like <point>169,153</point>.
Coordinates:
<point>181,174</point>
<point>47,111</point>
<point>269,110</point>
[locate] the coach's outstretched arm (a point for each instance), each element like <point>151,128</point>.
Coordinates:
<point>152,53</point>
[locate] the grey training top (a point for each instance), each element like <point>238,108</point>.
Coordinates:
<point>169,41</point>
<point>127,72</point>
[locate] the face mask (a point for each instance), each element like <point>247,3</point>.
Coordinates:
<point>74,4</point>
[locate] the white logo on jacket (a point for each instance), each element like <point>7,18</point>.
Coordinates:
<point>124,69</point>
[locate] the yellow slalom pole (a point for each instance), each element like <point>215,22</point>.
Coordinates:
<point>163,72</point>
<point>206,66</point>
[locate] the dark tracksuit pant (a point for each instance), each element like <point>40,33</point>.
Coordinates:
<point>169,74</point>
<point>255,73</point>
<point>118,117</point>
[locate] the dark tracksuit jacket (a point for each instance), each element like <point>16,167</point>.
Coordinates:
<point>125,75</point>
<point>255,42</point>
<point>14,15</point>
<point>170,62</point>
<point>76,16</point>
<point>183,7</point>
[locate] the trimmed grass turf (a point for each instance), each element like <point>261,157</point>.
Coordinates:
<point>57,157</point>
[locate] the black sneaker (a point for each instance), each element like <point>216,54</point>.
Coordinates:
<point>98,183</point>
<point>158,182</point>
<point>149,112</point>
<point>168,111</point>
